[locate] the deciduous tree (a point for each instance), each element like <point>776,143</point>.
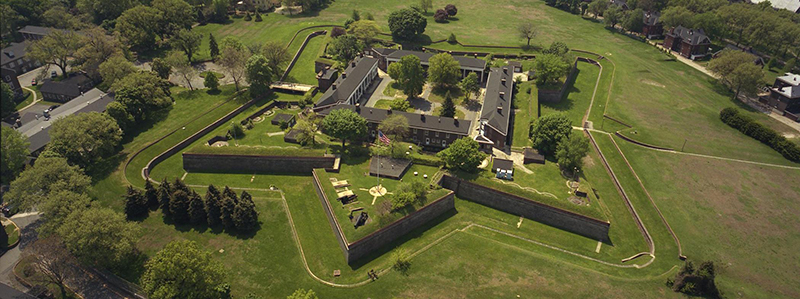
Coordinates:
<point>139,26</point>
<point>571,150</point>
<point>85,138</point>
<point>345,48</point>
<point>13,153</point>
<point>443,70</point>
<point>53,261</point>
<point>99,236</point>
<point>7,98</point>
<point>161,68</point>
<point>182,270</point>
<point>98,47</point>
<point>57,206</point>
<point>234,60</point>
<point>409,74</point>
<point>259,75</point>
<point>183,67</point>
<point>526,31</point>
<point>187,41</point>
<point>463,154</point>
<point>364,30</point>
<point>345,124</point>
<point>451,10</point>
<point>613,16</point>
<point>48,174</point>
<point>277,55</point>
<point>142,93</point>
<point>470,85</point>
<point>548,131</point>
<point>57,48</point>
<point>115,68</point>
<point>598,7</point>
<point>425,5</point>
<point>406,24</point>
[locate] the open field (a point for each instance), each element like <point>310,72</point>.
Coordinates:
<point>578,97</point>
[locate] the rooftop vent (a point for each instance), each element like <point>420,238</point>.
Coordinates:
<point>333,86</point>
<point>503,81</point>
<point>344,75</point>
<point>499,109</point>
<point>502,94</point>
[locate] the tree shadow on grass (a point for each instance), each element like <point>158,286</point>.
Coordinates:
<point>416,233</point>
<point>145,125</point>
<point>101,169</point>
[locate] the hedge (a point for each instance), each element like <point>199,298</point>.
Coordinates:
<point>750,127</point>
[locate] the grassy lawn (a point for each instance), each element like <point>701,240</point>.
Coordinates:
<point>578,96</point>
<point>219,75</point>
<point>379,211</point>
<point>459,114</point>
<point>303,71</point>
<point>26,269</point>
<point>13,234</point>
<point>438,94</point>
<point>526,105</point>
<point>393,90</point>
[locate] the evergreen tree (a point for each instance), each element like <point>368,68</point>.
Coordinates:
<point>179,206</point>
<point>197,209</point>
<point>213,47</point>
<point>245,216</point>
<point>229,201</point>
<point>135,203</point>
<point>164,197</point>
<point>449,107</point>
<point>213,205</point>
<point>150,195</point>
<point>258,17</point>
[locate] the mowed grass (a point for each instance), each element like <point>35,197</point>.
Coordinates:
<point>741,216</point>
<point>301,72</point>
<point>579,94</point>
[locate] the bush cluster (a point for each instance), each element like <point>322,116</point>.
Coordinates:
<point>409,193</point>
<point>696,282</point>
<point>750,127</point>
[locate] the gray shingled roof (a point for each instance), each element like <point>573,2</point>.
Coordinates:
<point>651,18</point>
<point>424,57</point>
<point>415,120</point>
<point>13,52</point>
<point>70,87</point>
<point>38,30</point>
<point>694,37</point>
<point>496,109</point>
<point>346,86</point>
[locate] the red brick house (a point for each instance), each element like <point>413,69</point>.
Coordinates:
<point>652,28</point>
<point>690,43</point>
<point>784,96</point>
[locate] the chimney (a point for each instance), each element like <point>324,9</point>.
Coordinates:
<point>499,109</point>
<point>505,70</point>
<point>333,86</point>
<point>691,31</point>
<point>440,119</point>
<point>503,93</point>
<point>344,75</point>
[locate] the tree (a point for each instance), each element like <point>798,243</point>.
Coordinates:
<point>696,281</point>
<point>258,17</point>
<point>48,174</point>
<point>187,41</point>
<point>746,78</point>
<point>345,124</point>
<point>150,195</point>
<point>738,17</point>
<point>277,55</point>
<point>161,67</point>
<point>84,138</point>
<point>11,18</point>
<point>443,70</point>
<point>452,39</point>
<point>406,24</point>
<point>395,125</point>
<point>470,85</point>
<point>548,131</point>
<point>211,81</point>
<point>183,67</point>
<point>139,26</point>
<point>7,97</point>
<point>213,206</point>
<point>135,203</point>
<point>220,10</point>
<point>597,7</point>
<point>259,74</point>
<point>245,216</point>
<point>364,30</point>
<point>549,68</point>
<point>142,93</point>
<point>408,72</point>
<point>57,206</point>
<point>425,5</point>
<point>98,47</point>
<point>440,16</point>
<point>526,31</point>
<point>731,67</point>
<point>104,10</point>
<point>115,68</point>
<point>13,153</point>
<point>99,236</point>
<point>634,21</point>
<point>451,10</point>
<point>303,294</point>
<point>789,66</point>
<point>448,107</point>
<point>57,48</point>
<point>355,16</point>
<point>345,48</point>
<point>179,206</point>
<point>557,48</point>
<point>229,202</point>
<point>53,261</point>
<point>182,270</point>
<point>213,47</point>
<point>306,131</point>
<point>197,209</point>
<point>613,16</point>
<point>677,16</point>
<point>165,197</point>
<point>463,154</point>
<point>584,8</point>
<point>571,150</point>
<point>178,15</point>
<point>233,60</point>
<point>401,261</point>
<point>400,105</point>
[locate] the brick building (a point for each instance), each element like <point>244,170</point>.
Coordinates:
<point>467,64</point>
<point>67,89</point>
<point>14,63</point>
<point>351,84</point>
<point>690,43</point>
<point>653,27</point>
<point>784,96</point>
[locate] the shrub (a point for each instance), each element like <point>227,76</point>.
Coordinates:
<point>400,105</point>
<point>750,127</point>
<point>258,17</point>
<point>696,282</point>
<point>400,261</point>
<point>452,39</point>
<point>451,10</point>
<point>338,31</point>
<point>348,22</point>
<point>247,17</point>
<point>237,131</point>
<point>440,16</point>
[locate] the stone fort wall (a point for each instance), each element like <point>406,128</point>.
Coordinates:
<point>254,163</point>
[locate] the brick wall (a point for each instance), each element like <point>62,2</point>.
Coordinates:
<point>254,163</point>
<point>552,216</point>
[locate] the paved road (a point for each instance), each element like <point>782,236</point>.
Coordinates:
<point>27,223</point>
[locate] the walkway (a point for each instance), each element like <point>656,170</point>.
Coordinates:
<point>687,61</point>
<point>35,98</point>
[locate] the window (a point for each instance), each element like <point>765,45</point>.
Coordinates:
<point>427,140</point>
<point>444,143</point>
<point>415,131</point>
<point>426,132</point>
<point>436,133</point>
<point>447,136</point>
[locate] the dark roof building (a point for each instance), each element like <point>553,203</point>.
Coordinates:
<point>38,129</point>
<point>34,32</point>
<point>757,60</point>
<point>623,4</point>
<point>8,292</point>
<point>13,57</point>
<point>427,130</point>
<point>283,117</point>
<point>496,111</point>
<point>352,83</point>
<point>690,43</point>
<point>467,64</point>
<point>67,89</point>
<point>784,96</point>
<point>652,27</point>
<point>9,77</point>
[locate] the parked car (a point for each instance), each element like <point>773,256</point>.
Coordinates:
<point>33,82</point>
<point>50,109</point>
<point>53,74</point>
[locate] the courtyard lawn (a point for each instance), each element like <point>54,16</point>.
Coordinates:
<point>579,95</point>
<point>526,111</point>
<point>379,209</point>
<point>459,114</point>
<point>393,90</point>
<point>438,94</point>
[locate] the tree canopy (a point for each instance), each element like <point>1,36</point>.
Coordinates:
<point>259,75</point>
<point>550,68</point>
<point>142,93</point>
<point>115,68</point>
<point>470,85</point>
<point>344,48</point>
<point>548,130</point>
<point>13,154</point>
<point>48,174</point>
<point>738,70</point>
<point>182,270</point>
<point>57,48</point>
<point>443,69</point>
<point>277,55</point>
<point>408,72</point>
<point>463,154</point>
<point>406,24</point>
<point>8,106</point>
<point>139,26</point>
<point>571,150</point>
<point>187,41</point>
<point>345,124</point>
<point>100,236</point>
<point>84,138</point>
